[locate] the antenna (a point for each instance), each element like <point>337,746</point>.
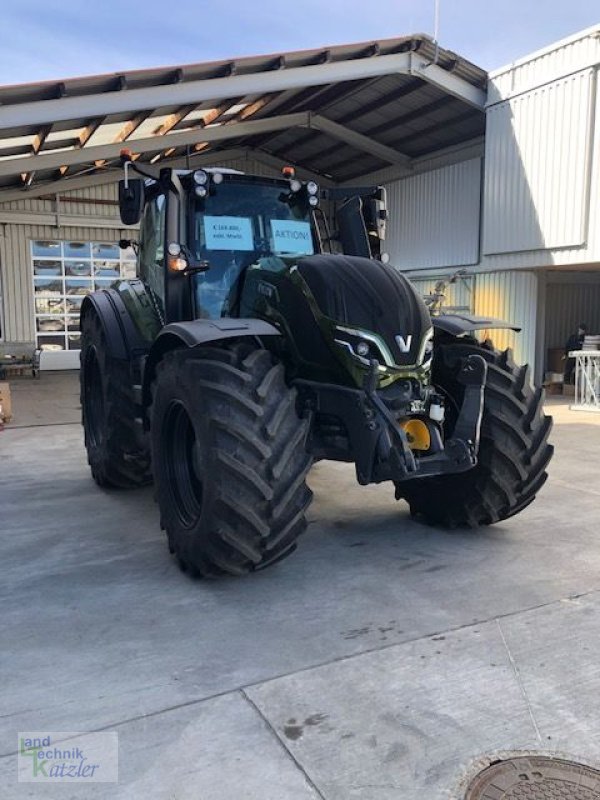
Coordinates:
<point>436,28</point>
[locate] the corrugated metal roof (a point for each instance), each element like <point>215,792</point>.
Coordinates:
<point>404,93</point>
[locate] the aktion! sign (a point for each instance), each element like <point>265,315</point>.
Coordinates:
<point>291,236</point>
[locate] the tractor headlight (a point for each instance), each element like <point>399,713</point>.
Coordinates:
<point>200,177</point>
<point>201,191</point>
<point>217,177</point>
<point>295,185</point>
<point>313,200</point>
<point>361,345</point>
<point>312,187</point>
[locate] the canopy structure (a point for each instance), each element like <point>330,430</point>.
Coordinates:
<point>339,113</point>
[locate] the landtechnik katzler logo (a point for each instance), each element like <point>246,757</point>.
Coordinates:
<point>68,756</point>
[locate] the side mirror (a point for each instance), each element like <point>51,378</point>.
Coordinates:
<point>131,200</point>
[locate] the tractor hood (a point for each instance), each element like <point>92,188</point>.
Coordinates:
<point>363,296</point>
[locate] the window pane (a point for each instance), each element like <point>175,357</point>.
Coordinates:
<point>51,342</point>
<point>106,269</point>
<point>47,287</point>
<point>74,340</point>
<point>77,249</point>
<point>78,268</point>
<point>46,248</point>
<point>74,305</point>
<point>49,305</point>
<point>101,250</point>
<point>50,324</point>
<point>78,286</point>
<point>47,268</point>
<point>72,323</point>
<point>128,254</point>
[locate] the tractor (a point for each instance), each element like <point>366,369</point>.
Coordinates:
<point>266,330</point>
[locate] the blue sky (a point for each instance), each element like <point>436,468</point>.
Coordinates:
<point>48,39</point>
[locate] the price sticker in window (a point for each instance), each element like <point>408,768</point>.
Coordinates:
<point>228,233</point>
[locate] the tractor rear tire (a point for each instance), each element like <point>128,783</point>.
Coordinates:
<point>229,457</point>
<point>108,410</point>
<point>513,453</point>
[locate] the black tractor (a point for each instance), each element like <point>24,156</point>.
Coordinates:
<point>254,342</point>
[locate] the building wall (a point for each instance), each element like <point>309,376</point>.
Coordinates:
<point>15,255</point>
<point>541,200</point>
<point>511,296</point>
<point>434,217</point>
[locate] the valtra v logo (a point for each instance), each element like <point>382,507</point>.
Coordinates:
<point>404,343</point>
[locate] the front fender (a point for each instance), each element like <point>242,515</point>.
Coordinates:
<point>123,338</point>
<point>197,332</point>
<point>457,324</point>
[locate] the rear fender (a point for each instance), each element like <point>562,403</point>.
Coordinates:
<point>192,334</point>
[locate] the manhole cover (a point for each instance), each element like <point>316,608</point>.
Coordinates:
<point>535,778</point>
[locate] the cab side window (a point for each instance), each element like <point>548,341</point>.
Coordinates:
<point>152,244</point>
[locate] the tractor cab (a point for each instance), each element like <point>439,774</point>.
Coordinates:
<point>201,230</point>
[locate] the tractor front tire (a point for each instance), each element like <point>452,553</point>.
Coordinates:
<point>513,452</point>
<point>229,456</point>
<point>108,410</point>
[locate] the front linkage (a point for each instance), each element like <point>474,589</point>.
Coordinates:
<point>380,446</point>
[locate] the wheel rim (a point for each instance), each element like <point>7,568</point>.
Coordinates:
<point>93,398</point>
<point>180,451</point>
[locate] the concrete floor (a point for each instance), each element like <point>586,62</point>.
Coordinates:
<point>380,661</point>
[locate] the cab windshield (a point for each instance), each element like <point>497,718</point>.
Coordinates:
<point>242,224</point>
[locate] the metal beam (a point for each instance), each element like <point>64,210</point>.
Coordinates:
<point>473,148</point>
<point>319,101</point>
<point>208,135</point>
<point>11,217</point>
<point>357,140</point>
<point>152,144</point>
<point>110,175</point>
<point>447,81</point>
<point>465,116</point>
<point>132,100</point>
<point>384,127</point>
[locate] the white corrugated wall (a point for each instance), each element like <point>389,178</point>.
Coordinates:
<point>434,217</point>
<point>106,193</point>
<point>511,296</point>
<point>542,162</point>
<point>566,57</point>
<point>537,168</point>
